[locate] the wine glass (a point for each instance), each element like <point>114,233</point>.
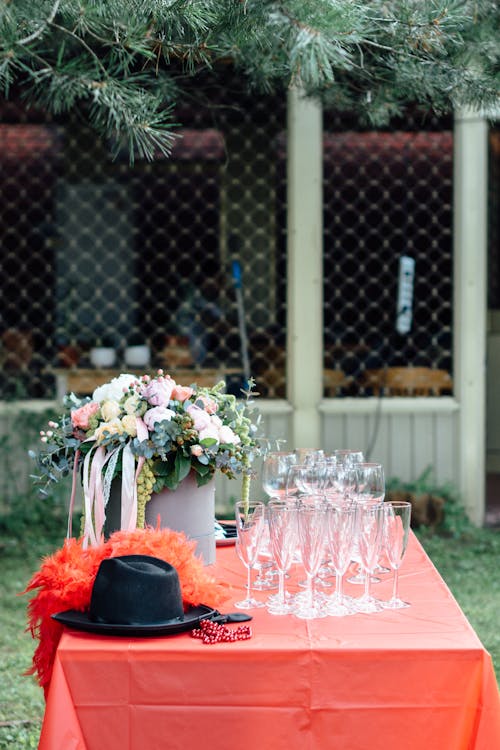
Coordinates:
<point>294,482</point>
<point>370,485</point>
<point>275,468</point>
<point>340,534</point>
<point>249,527</point>
<point>313,477</point>
<point>283,539</point>
<point>309,455</point>
<point>311,537</point>
<point>370,536</point>
<point>397,515</point>
<point>340,483</point>
<point>348,456</point>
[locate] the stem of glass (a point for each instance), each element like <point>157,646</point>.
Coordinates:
<point>367,584</point>
<point>249,582</point>
<point>395,583</point>
<point>309,590</point>
<point>281,586</point>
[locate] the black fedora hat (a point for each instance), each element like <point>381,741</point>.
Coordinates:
<point>135,595</point>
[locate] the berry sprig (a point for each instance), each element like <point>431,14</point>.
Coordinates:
<point>214,632</point>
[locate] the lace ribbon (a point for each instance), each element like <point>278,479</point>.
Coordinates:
<point>97,491</point>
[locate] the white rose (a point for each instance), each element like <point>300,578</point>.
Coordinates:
<point>228,436</point>
<point>211,431</point>
<point>114,390</point>
<point>129,423</point>
<point>110,410</point>
<point>131,404</point>
<point>114,427</point>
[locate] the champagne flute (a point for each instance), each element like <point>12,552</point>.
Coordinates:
<point>397,515</point>
<point>340,534</point>
<point>275,468</point>
<point>369,491</point>
<point>283,539</point>
<point>266,574</point>
<point>311,536</point>
<point>249,528</point>
<point>371,526</point>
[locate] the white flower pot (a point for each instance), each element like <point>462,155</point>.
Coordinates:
<point>102,356</point>
<point>190,509</point>
<point>137,356</point>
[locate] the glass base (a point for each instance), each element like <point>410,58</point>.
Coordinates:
<point>341,606</point>
<point>395,604</point>
<point>265,584</point>
<point>249,603</point>
<point>368,604</point>
<point>280,608</point>
<point>310,613</point>
<point>359,579</point>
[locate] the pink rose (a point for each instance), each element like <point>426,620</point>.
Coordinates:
<point>201,420</point>
<point>209,404</point>
<point>80,417</point>
<point>157,414</point>
<point>159,391</point>
<point>182,393</point>
<point>196,450</point>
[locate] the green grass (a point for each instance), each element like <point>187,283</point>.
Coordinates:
<point>468,563</point>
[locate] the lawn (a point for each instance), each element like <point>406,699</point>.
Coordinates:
<point>468,563</point>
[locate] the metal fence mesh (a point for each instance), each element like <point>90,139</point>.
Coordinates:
<point>387,195</point>
<point>96,252</point>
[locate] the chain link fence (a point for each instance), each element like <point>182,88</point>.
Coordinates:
<point>97,253</point>
<point>387,195</point>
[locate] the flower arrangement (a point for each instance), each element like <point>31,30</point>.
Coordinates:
<point>151,432</point>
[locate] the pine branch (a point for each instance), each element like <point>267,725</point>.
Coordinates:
<point>127,62</point>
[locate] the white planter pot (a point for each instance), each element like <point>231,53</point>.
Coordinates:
<point>137,356</point>
<point>190,509</point>
<point>102,356</point>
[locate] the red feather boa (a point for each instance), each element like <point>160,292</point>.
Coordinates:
<point>65,579</point>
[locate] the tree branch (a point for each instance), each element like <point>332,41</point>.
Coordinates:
<point>42,27</point>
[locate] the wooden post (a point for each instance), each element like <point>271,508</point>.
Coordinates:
<point>305,268</point>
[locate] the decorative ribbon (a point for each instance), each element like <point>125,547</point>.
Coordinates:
<point>89,534</point>
<point>97,492</point>
<point>129,491</point>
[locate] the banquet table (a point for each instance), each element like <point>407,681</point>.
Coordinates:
<point>412,679</point>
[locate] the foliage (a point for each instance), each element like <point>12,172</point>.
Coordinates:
<point>125,63</point>
<point>179,428</point>
<point>151,433</point>
<point>21,507</point>
<point>455,523</point>
<point>470,569</point>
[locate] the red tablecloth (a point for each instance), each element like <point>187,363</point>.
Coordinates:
<point>412,679</point>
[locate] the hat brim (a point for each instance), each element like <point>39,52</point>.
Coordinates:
<point>72,618</point>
